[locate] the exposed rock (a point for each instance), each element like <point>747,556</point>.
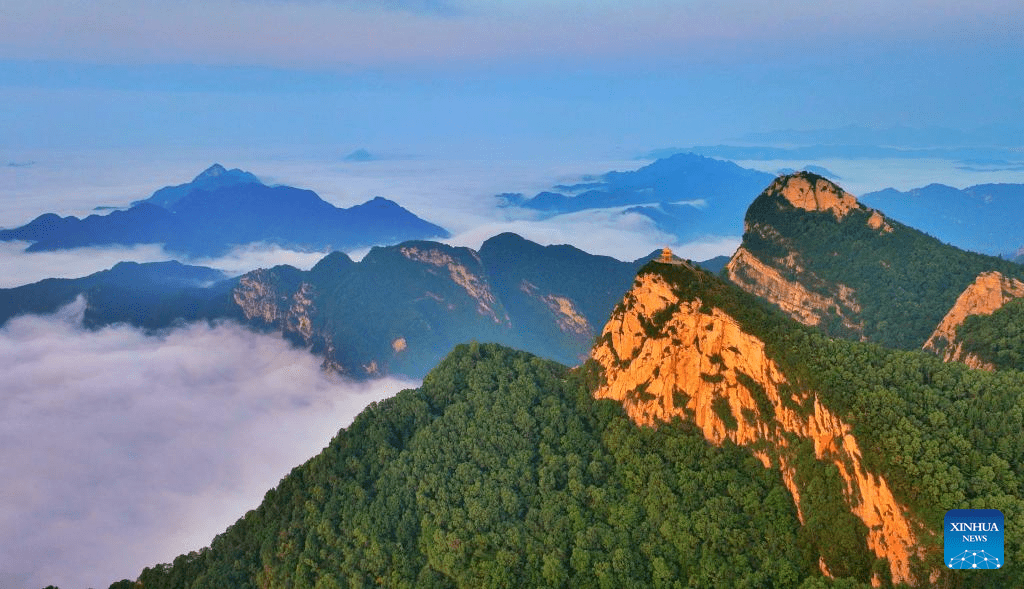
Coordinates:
<point>399,344</point>
<point>664,358</point>
<point>265,301</point>
<point>814,193</point>
<point>754,276</point>
<point>476,286</point>
<point>567,317</point>
<point>986,295</point>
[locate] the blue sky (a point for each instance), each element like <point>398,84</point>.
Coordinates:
<point>531,77</point>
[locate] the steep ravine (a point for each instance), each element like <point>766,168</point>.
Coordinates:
<point>664,357</point>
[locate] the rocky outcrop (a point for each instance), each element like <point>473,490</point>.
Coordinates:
<point>475,286</point>
<point>986,295</point>
<point>568,318</point>
<point>808,307</point>
<point>771,265</point>
<point>814,193</point>
<point>811,192</point>
<point>266,301</point>
<point>663,357</point>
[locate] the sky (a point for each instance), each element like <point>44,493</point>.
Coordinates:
<point>530,77</point>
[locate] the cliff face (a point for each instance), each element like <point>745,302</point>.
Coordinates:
<point>789,294</point>
<point>473,283</point>
<point>268,300</point>
<point>663,357</point>
<point>989,292</point>
<point>778,272</point>
<point>402,308</point>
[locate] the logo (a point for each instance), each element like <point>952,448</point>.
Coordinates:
<point>973,539</point>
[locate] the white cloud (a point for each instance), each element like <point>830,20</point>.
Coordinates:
<point>19,267</point>
<point>122,450</point>
<point>244,258</point>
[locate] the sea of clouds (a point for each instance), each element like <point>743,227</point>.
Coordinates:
<point>121,450</point>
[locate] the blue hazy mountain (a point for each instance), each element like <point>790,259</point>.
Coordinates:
<point>686,195</point>
<point>360,155</point>
<point>212,178</point>
<point>151,295</point>
<point>983,218</point>
<point>221,209</point>
<point>1008,157</point>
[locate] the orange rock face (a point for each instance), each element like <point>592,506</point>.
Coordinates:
<point>699,362</point>
<point>989,292</point>
<point>815,194</point>
<point>754,276</point>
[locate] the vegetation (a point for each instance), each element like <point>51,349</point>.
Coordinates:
<point>944,436</point>
<point>904,281</point>
<point>503,471</point>
<point>997,338</point>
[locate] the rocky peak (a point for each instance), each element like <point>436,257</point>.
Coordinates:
<point>811,192</point>
<point>211,172</point>
<point>666,354</point>
<point>986,295</point>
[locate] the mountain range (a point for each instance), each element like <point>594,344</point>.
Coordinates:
<point>398,310</point>
<point>221,209</point>
<point>715,437</point>
<point>983,218</point>
<point>805,418</point>
<point>686,195</point>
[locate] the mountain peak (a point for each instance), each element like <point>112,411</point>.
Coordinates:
<point>211,172</point>
<point>675,348</point>
<point>811,192</point>
<point>217,175</point>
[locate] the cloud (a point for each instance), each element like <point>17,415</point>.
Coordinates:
<point>18,267</point>
<point>122,450</point>
<point>244,258</point>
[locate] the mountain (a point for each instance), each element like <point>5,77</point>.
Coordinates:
<point>221,209</point>
<point>151,295</point>
<point>983,218</point>
<point>845,423</point>
<point>686,195</point>
<point>829,261</point>
<point>969,157</point>
<point>712,441</point>
<point>983,329</point>
<point>214,177</point>
<point>401,308</point>
<point>398,310</point>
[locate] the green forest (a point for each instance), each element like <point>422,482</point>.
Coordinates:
<point>997,338</point>
<point>501,470</point>
<point>904,281</point>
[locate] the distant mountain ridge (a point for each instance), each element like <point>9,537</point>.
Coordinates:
<point>398,310</point>
<point>983,218</point>
<point>686,195</point>
<point>221,209</point>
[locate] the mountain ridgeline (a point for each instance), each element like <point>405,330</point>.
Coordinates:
<point>711,441</point>
<point>829,261</point>
<point>685,195</point>
<point>399,310</point>
<point>983,218</point>
<point>221,209</point>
